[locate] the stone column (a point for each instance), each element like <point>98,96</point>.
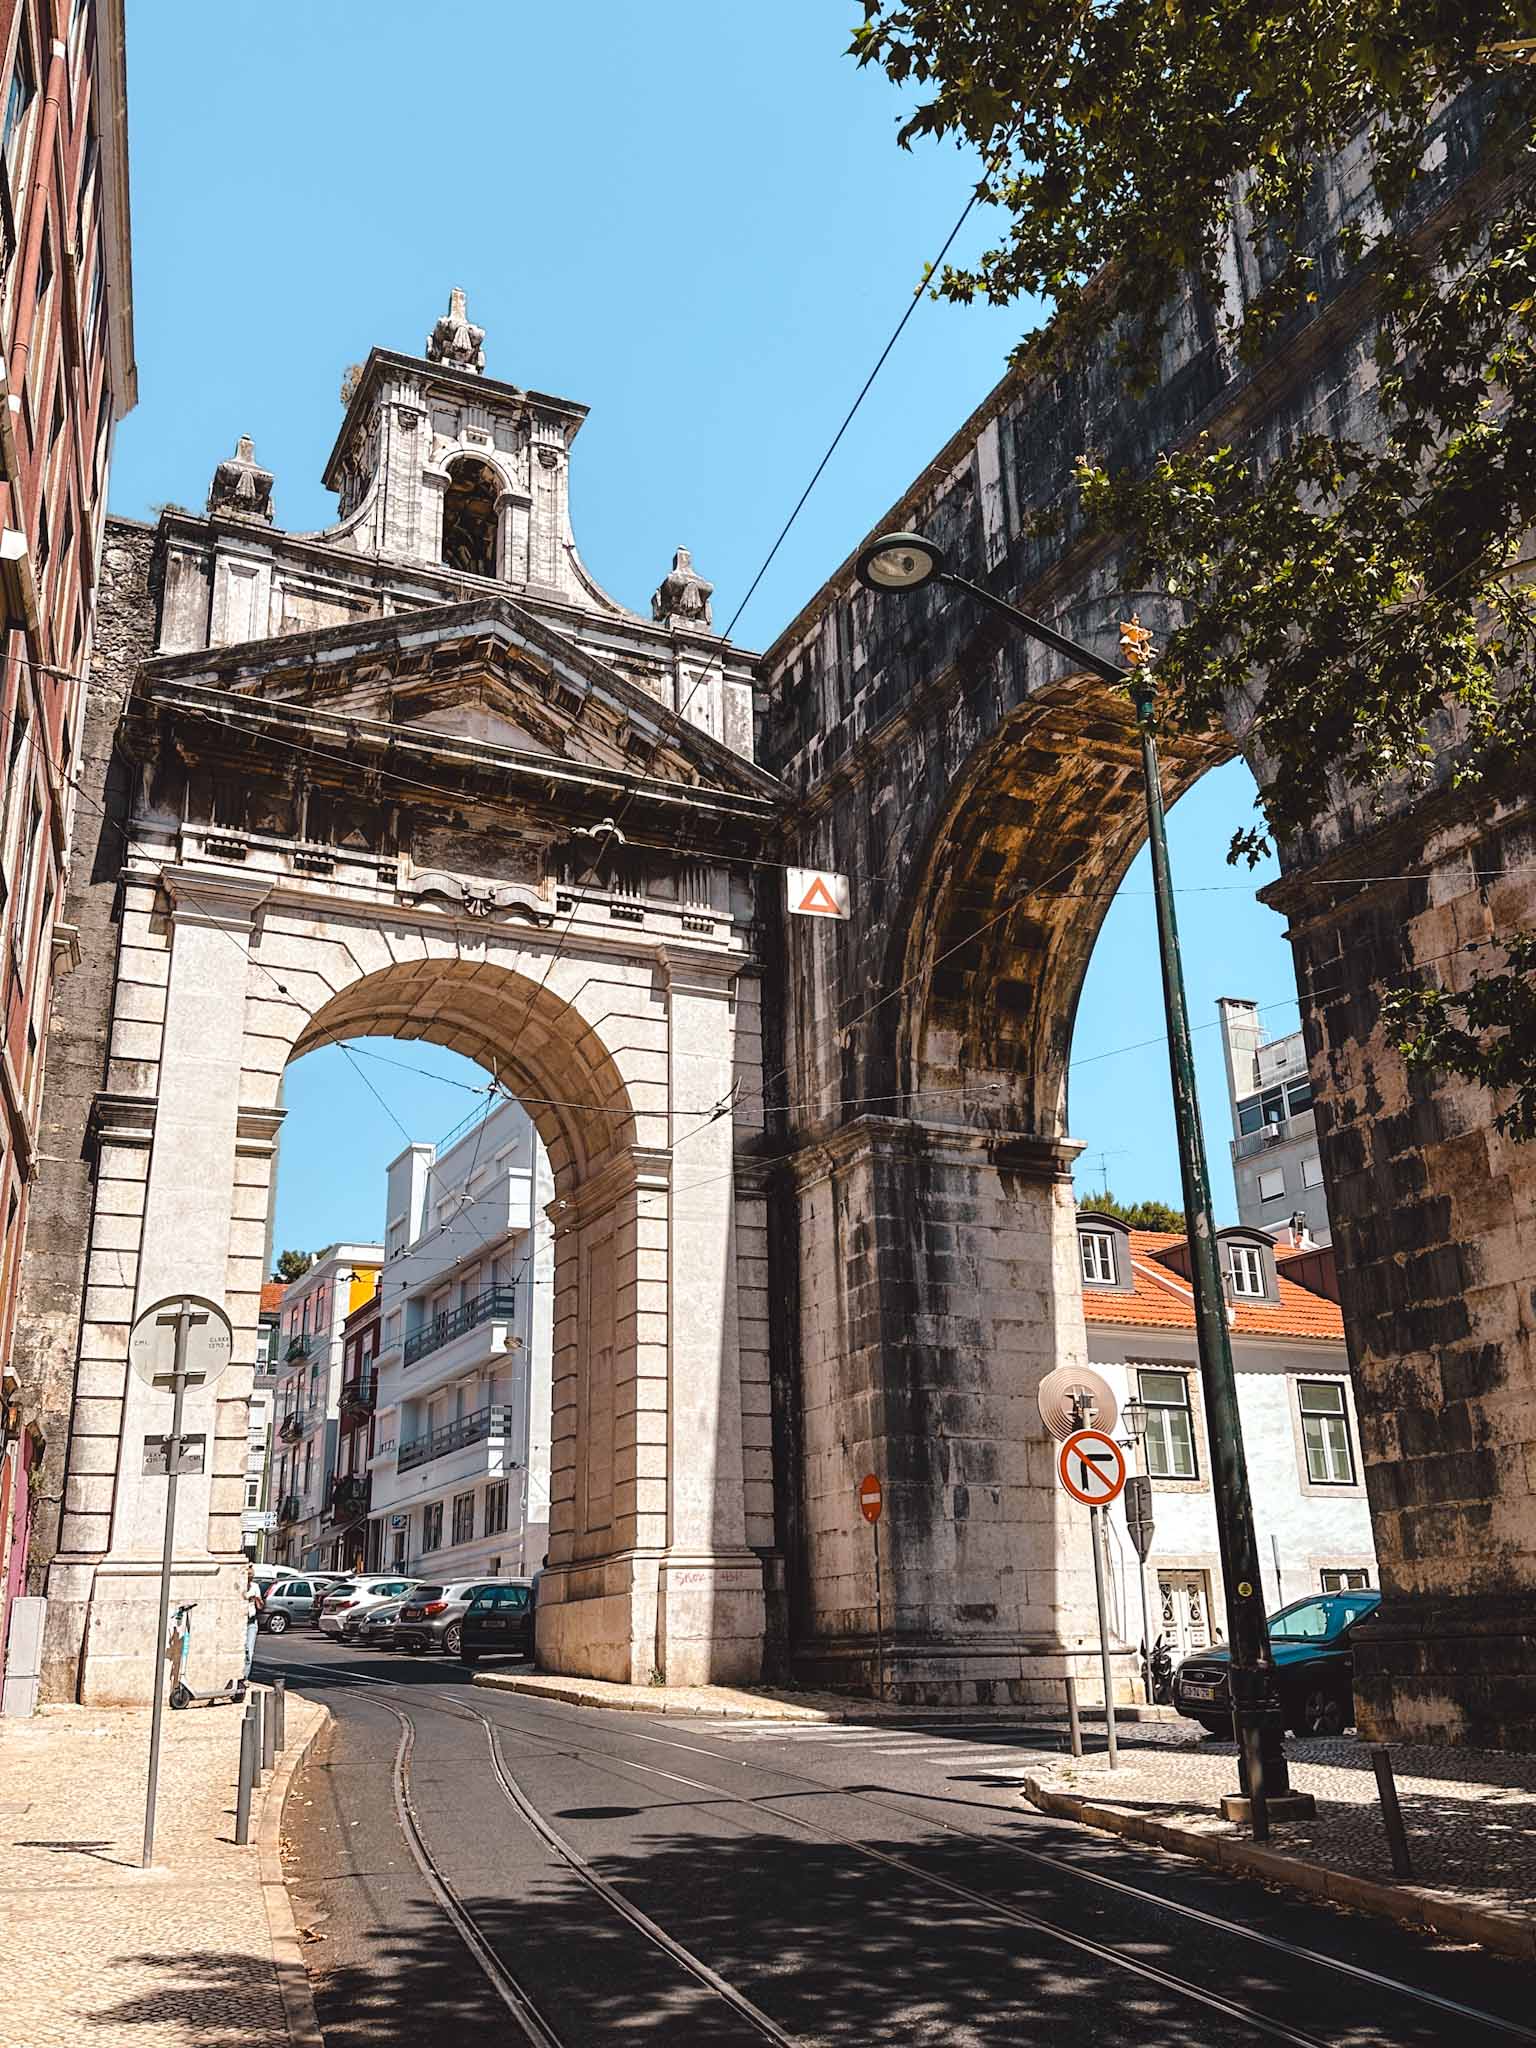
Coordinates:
<point>938,1286</point>
<point>185,1245</point>
<point>711,1610</point>
<point>512,508</point>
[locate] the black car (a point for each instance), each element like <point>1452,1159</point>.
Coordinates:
<point>1312,1643</point>
<point>498,1622</point>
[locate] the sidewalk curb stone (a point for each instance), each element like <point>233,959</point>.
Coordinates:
<point>738,1704</point>
<point>1509,1933</point>
<point>282,1929</point>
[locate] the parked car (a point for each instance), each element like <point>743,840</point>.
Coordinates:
<point>430,1618</point>
<point>376,1629</point>
<point>498,1622</point>
<point>347,1601</point>
<point>1312,1643</point>
<point>287,1602</point>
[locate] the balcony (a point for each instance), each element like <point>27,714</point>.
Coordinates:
<point>486,1307</point>
<point>298,1347</point>
<point>1252,1143</point>
<point>358,1397</point>
<point>349,1497</point>
<point>291,1428</point>
<point>290,1508</point>
<point>454,1436</point>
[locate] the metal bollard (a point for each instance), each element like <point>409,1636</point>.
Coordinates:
<point>1074,1726</point>
<point>279,1713</point>
<point>268,1731</point>
<point>1391,1813</point>
<point>247,1774</point>
<point>256,1706</point>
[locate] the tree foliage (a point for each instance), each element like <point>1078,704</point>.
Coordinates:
<point>1483,1032</point>
<point>1367,573</point>
<point>293,1265</point>
<point>1149,1214</point>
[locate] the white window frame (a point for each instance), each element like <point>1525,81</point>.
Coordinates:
<point>1162,1439</point>
<point>1097,1249</point>
<point>1328,1448</point>
<point>1275,1193</point>
<point>1347,1578</point>
<point>1245,1262</point>
<point>1311,1173</point>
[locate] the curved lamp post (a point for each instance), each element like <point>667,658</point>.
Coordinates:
<point>907,561</point>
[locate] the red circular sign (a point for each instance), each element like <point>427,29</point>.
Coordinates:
<point>1091,1466</point>
<point>871,1498</point>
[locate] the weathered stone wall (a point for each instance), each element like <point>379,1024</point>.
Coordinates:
<point>985,814</point>
<point>54,1273</point>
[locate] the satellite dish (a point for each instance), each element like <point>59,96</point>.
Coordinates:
<point>1073,1398</point>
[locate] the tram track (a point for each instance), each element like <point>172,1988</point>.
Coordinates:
<point>889,1802</point>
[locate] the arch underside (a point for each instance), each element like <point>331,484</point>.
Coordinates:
<point>1048,819</point>
<point>520,1031</point>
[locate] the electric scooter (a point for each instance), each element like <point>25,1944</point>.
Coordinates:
<point>178,1649</point>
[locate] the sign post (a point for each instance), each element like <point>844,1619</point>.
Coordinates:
<point>198,1336</point>
<point>1138,1523</point>
<point>1091,1466</point>
<point>871,1501</point>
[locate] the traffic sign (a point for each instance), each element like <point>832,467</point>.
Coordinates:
<point>1138,1513</point>
<point>817,892</point>
<point>152,1345</point>
<point>871,1497</point>
<point>1092,1467</point>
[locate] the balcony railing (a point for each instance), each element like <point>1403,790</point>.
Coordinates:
<point>299,1347</point>
<point>289,1508</point>
<point>454,1436</point>
<point>291,1428</point>
<point>358,1396</point>
<point>349,1497</point>
<point>1252,1143</point>
<point>494,1302</point>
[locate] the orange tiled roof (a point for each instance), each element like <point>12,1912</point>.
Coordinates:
<point>272,1292</point>
<point>1162,1300</point>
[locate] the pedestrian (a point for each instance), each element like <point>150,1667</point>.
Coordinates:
<point>253,1606</point>
<point>533,1596</point>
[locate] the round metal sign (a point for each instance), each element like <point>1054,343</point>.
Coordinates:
<point>871,1497</point>
<point>209,1339</point>
<point>1091,1466</point>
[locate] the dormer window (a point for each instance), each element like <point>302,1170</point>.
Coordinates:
<point>1098,1250</point>
<point>1245,1265</point>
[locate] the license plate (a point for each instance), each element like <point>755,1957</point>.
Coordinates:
<point>495,1624</point>
<point>1201,1692</point>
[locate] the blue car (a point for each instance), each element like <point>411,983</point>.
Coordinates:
<point>1312,1643</point>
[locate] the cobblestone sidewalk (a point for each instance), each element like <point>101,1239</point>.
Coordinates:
<point>1470,1817</point>
<point>195,1953</point>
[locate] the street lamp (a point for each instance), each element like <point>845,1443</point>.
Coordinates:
<point>909,561</point>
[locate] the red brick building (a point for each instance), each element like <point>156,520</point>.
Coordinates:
<point>66,361</point>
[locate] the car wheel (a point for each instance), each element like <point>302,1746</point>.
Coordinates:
<point>470,1657</point>
<point>1321,1712</point>
<point>277,1624</point>
<point>453,1637</point>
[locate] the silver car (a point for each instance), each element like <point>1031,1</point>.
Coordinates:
<point>429,1619</point>
<point>345,1605</point>
<point>292,1599</point>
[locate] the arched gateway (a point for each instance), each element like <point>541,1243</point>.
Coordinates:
<point>362,792</point>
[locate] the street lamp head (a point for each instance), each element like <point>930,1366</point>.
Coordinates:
<point>899,561</point>
<point>1133,1419</point>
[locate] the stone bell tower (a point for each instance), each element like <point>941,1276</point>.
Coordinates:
<point>437,463</point>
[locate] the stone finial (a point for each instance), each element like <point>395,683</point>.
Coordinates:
<point>241,486</point>
<point>453,340</point>
<point>683,598</point>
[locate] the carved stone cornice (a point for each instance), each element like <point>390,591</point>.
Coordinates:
<point>123,1119</point>
<point>1025,1153</point>
<point>215,896</point>
<point>256,1131</point>
<point>638,1169</point>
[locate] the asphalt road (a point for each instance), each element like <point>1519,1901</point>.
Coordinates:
<point>599,1878</point>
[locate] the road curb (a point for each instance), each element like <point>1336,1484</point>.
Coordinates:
<point>1510,1934</point>
<point>282,1929</point>
<point>641,1699</point>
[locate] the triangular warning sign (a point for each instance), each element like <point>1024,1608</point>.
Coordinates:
<point>818,901</point>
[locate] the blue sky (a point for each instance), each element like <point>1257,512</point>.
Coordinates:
<point>694,219</point>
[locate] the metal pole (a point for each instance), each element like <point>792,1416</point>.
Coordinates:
<point>167,1553</point>
<point>259,1709</point>
<point>1391,1813</point>
<point>1074,1725</point>
<point>279,1713</point>
<point>1104,1664</point>
<point>1146,1631</point>
<point>879,1617</point>
<point>247,1773</point>
<point>268,1729</point>
<point>1252,1667</point>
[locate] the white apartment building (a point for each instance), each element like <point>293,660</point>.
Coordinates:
<point>257,1520</point>
<point>309,1361</point>
<point>460,1461</point>
<point>1297,1406</point>
<point>1274,1135</point>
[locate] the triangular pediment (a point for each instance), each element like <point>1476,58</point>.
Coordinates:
<point>487,672</point>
